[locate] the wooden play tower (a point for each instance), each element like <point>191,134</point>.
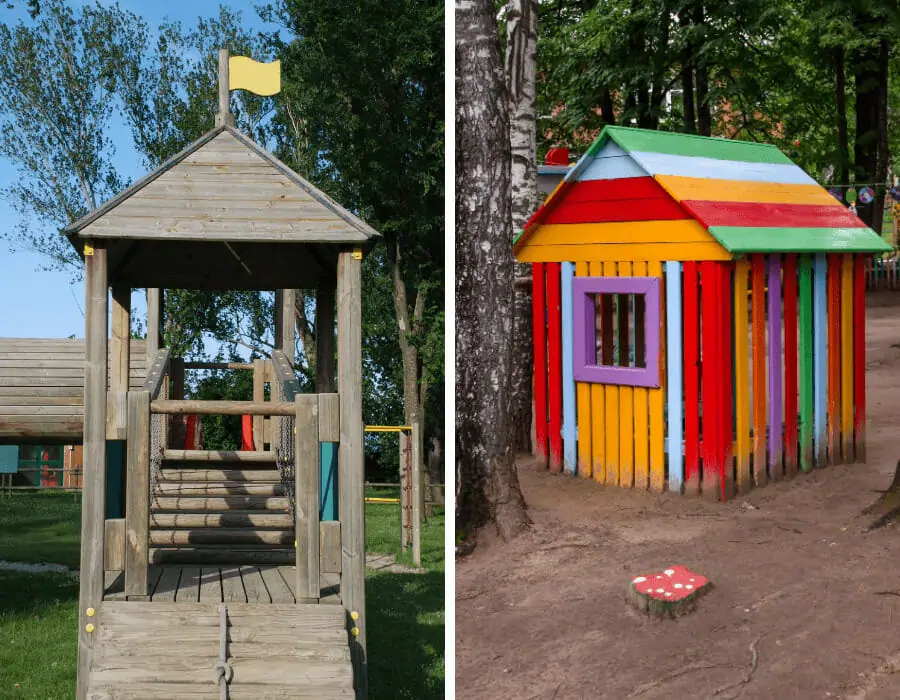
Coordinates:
<point>203,604</point>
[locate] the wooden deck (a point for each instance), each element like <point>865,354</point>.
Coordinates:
<point>223,584</point>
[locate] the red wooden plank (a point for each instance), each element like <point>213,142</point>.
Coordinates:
<point>540,216</point>
<point>726,446</point>
<point>616,190</point>
<point>711,213</point>
<point>691,312</point>
<point>711,373</point>
<point>570,212</point>
<point>554,364</point>
<point>539,324</point>
<point>789,312</point>
<point>859,356</point>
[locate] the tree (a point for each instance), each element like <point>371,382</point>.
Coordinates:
<point>361,115</point>
<point>520,68</point>
<point>488,487</point>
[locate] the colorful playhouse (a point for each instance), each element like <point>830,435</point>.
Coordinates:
<point>699,316</point>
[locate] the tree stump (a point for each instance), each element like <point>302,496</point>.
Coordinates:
<point>668,593</point>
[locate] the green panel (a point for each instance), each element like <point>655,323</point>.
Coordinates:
<point>748,239</point>
<point>328,481</point>
<point>115,479</point>
<point>9,459</point>
<point>806,364</point>
<point>689,145</point>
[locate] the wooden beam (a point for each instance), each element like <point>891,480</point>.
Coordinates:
<point>94,460</point>
<point>285,322</point>
<point>306,484</point>
<point>325,336</point>
<point>259,396</point>
<point>154,320</point>
<point>223,408</point>
<point>114,545</point>
<point>120,353</point>
<point>137,493</point>
<point>350,457</point>
<point>224,117</point>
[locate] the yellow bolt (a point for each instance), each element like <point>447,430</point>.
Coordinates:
<point>295,544</point>
<point>354,615</point>
<point>89,627</point>
<point>90,612</point>
<point>354,631</point>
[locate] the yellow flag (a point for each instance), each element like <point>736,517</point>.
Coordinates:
<point>259,78</point>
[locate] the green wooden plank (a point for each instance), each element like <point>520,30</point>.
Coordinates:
<point>747,239</point>
<point>806,364</point>
<point>676,144</point>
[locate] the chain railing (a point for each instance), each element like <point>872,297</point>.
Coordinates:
<point>284,447</point>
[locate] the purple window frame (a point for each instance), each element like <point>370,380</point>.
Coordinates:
<point>585,364</point>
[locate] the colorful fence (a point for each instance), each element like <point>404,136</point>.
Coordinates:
<point>700,376</point>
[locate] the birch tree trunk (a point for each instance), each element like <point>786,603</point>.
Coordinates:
<point>488,491</point>
<point>521,55</point>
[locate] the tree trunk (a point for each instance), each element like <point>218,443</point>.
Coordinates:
<point>607,108</point>
<point>704,111</point>
<point>406,326</point>
<point>840,99</point>
<point>521,50</point>
<point>867,72</point>
<point>887,508</point>
<point>687,77</point>
<point>489,490</point>
<point>881,120</point>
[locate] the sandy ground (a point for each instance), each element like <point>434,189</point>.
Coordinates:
<point>803,600</point>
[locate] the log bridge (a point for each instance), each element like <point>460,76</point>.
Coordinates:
<point>223,580</point>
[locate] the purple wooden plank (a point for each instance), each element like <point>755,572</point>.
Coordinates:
<point>586,368</point>
<point>775,391</point>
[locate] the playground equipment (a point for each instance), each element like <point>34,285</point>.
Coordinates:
<point>184,596</point>
<point>699,316</point>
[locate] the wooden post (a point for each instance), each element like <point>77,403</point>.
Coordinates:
<point>285,322</point>
<point>94,484</point>
<point>137,511</point>
<point>224,117</point>
<point>350,458</point>
<point>417,492</point>
<point>306,485</point>
<point>259,395</point>
<point>120,353</point>
<point>154,321</point>
<point>325,337</point>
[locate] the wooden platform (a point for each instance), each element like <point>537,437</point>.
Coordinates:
<point>223,584</point>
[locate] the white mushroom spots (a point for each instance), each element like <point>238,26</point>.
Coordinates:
<point>639,579</point>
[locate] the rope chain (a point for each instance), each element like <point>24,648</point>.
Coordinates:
<point>284,450</point>
<point>224,672</point>
<point>156,441</point>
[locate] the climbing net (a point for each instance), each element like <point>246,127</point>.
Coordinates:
<point>157,438</point>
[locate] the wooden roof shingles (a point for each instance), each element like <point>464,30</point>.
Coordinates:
<point>223,187</point>
<point>747,197</point>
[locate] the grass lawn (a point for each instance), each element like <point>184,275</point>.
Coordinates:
<point>38,611</point>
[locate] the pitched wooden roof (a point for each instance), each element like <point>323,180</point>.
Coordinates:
<point>635,186</point>
<point>224,187</point>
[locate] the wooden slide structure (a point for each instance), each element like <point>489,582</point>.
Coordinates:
<point>222,580</point>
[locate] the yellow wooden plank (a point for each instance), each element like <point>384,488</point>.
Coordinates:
<point>699,188</point>
<point>626,412</point>
<point>612,412</point>
<point>612,252</point>
<point>583,408</point>
<point>847,357</point>
<point>641,418</point>
<point>742,376</point>
<point>598,411</point>
<point>629,232</point>
<point>657,397</point>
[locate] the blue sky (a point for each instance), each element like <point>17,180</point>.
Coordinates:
<point>37,304</point>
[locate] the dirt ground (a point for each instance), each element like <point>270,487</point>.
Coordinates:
<point>802,605</point>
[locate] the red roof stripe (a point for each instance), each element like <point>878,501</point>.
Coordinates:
<point>570,212</point>
<point>750,214</point>
<point>612,190</point>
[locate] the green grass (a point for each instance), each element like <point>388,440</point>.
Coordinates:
<point>38,611</point>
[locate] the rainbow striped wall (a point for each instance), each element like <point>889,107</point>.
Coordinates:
<point>780,391</point>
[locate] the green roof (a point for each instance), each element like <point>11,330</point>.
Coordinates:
<point>675,144</point>
<point>742,239</point>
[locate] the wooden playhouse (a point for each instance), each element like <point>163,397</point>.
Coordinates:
<point>699,316</point>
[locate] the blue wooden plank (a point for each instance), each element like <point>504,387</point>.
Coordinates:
<point>674,382</point>
<point>569,435</point>
<point>328,481</point>
<point>612,168</point>
<point>9,459</point>
<point>820,356</point>
<point>696,166</point>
